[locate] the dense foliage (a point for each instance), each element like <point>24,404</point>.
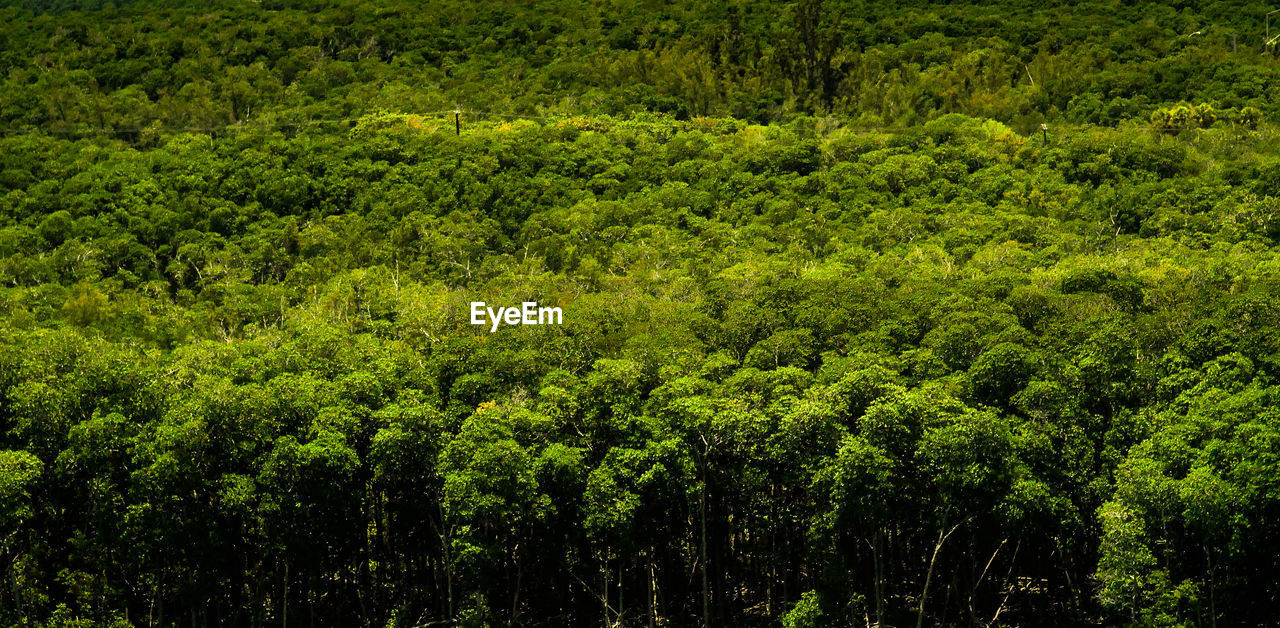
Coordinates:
<point>877,63</point>
<point>958,371</point>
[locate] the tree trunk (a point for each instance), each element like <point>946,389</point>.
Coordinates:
<point>284,600</point>
<point>653,591</point>
<point>877,564</point>
<point>942,538</point>
<point>515,597</point>
<point>702,516</point>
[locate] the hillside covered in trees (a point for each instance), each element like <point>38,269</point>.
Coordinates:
<point>849,338</point>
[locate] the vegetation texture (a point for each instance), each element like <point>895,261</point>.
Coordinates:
<point>849,339</point>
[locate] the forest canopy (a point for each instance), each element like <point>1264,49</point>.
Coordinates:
<point>89,65</point>
<point>848,337</point>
